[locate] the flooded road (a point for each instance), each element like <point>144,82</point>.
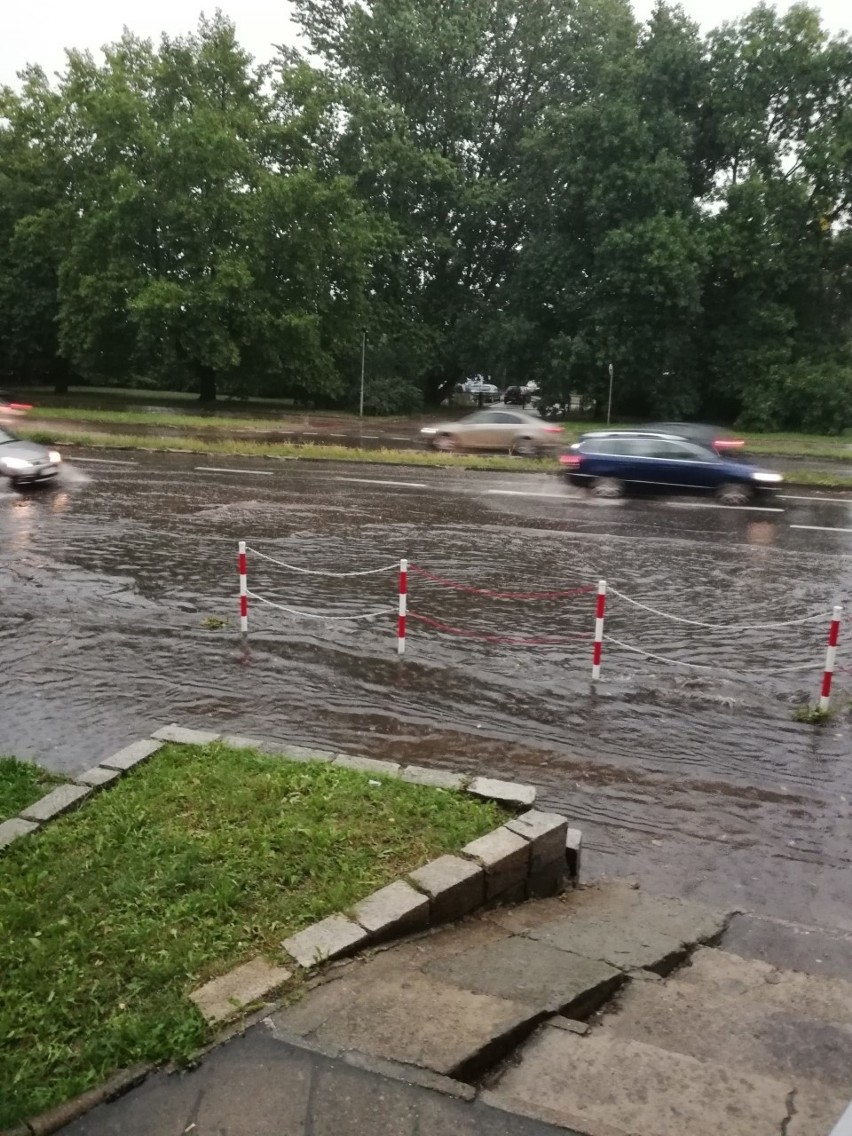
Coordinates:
<point>693,778</point>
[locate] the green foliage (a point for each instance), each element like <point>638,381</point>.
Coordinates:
<point>111,916</point>
<point>527,189</point>
<point>386,396</point>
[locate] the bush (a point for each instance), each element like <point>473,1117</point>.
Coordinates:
<point>387,396</point>
<point>815,398</point>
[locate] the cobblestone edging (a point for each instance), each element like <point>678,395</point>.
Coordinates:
<point>535,854</point>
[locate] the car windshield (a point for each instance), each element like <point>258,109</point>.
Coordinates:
<point>6,437</point>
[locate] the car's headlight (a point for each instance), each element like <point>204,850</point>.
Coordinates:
<point>17,463</point>
<point>773,478</point>
<point>54,456</point>
<point>428,430</point>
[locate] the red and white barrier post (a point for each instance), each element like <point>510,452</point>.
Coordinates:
<point>830,656</point>
<point>599,630</point>
<point>403,607</point>
<point>243,588</point>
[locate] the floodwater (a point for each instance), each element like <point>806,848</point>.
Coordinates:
<point>694,779</point>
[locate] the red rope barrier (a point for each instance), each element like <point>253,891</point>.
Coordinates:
<point>540,641</point>
<point>580,591</point>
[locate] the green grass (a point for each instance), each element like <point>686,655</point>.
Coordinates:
<point>778,444</point>
<point>307,452</point>
<point>190,865</point>
<point>22,783</point>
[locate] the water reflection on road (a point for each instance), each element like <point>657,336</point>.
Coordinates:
<point>696,780</point>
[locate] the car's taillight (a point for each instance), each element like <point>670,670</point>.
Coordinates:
<point>19,406</point>
<point>571,460</point>
<point>726,443</point>
<point>553,429</point>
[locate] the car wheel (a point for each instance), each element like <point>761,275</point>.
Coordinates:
<point>524,447</point>
<point>734,493</point>
<point>446,443</point>
<point>609,487</point>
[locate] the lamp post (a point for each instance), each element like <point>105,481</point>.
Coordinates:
<point>609,403</point>
<point>363,368</point>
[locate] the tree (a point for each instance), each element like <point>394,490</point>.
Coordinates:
<point>35,221</point>
<point>204,255</point>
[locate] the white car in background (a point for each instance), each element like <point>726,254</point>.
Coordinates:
<point>26,463</point>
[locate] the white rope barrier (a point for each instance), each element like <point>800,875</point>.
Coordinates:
<point>720,626</point>
<point>704,667</point>
<point>315,615</point>
<point>314,572</point>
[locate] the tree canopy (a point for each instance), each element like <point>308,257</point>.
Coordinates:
<point>526,189</point>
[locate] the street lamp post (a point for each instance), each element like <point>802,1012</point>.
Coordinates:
<point>363,368</point>
<point>609,403</point>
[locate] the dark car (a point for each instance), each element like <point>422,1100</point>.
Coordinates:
<point>611,460</point>
<point>713,437</point>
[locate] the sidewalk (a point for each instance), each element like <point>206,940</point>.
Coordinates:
<point>605,1012</point>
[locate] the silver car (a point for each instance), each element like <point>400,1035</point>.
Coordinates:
<point>510,430</point>
<point>25,463</point>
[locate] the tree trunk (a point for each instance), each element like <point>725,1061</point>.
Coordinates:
<point>206,384</point>
<point>61,385</point>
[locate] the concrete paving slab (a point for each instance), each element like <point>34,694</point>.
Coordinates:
<point>60,800</point>
<point>629,928</point>
<point>731,1030</point>
<point>185,736</point>
<point>14,829</point>
<point>132,755</point>
<point>507,792</point>
<point>258,1086</point>
<point>402,1015</point>
<point>252,1086</point>
<point>223,997</point>
<point>434,778</point>
<point>543,977</point>
<point>328,939</point>
<point>791,946</point>
<point>812,996</point>
<point>600,1085</point>
<point>341,1103</point>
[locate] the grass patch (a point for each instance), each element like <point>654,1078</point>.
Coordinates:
<point>190,865</point>
<point>306,452</point>
<point>812,715</point>
<point>21,784</point>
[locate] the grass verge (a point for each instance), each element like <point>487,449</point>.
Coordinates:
<point>306,452</point>
<point>776,444</point>
<point>22,783</point>
<point>190,865</point>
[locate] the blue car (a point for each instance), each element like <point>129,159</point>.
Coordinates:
<point>611,461</point>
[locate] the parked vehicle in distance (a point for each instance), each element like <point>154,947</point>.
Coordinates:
<point>610,461</point>
<point>477,387</point>
<point>713,437</point>
<point>25,463</point>
<point>510,430</point>
<point>10,407</point>
<point>517,395</point>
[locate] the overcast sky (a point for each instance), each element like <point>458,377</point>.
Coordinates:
<point>38,31</point>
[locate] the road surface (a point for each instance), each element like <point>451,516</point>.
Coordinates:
<point>693,778</point>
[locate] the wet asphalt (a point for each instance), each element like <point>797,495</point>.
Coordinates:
<point>693,779</point>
